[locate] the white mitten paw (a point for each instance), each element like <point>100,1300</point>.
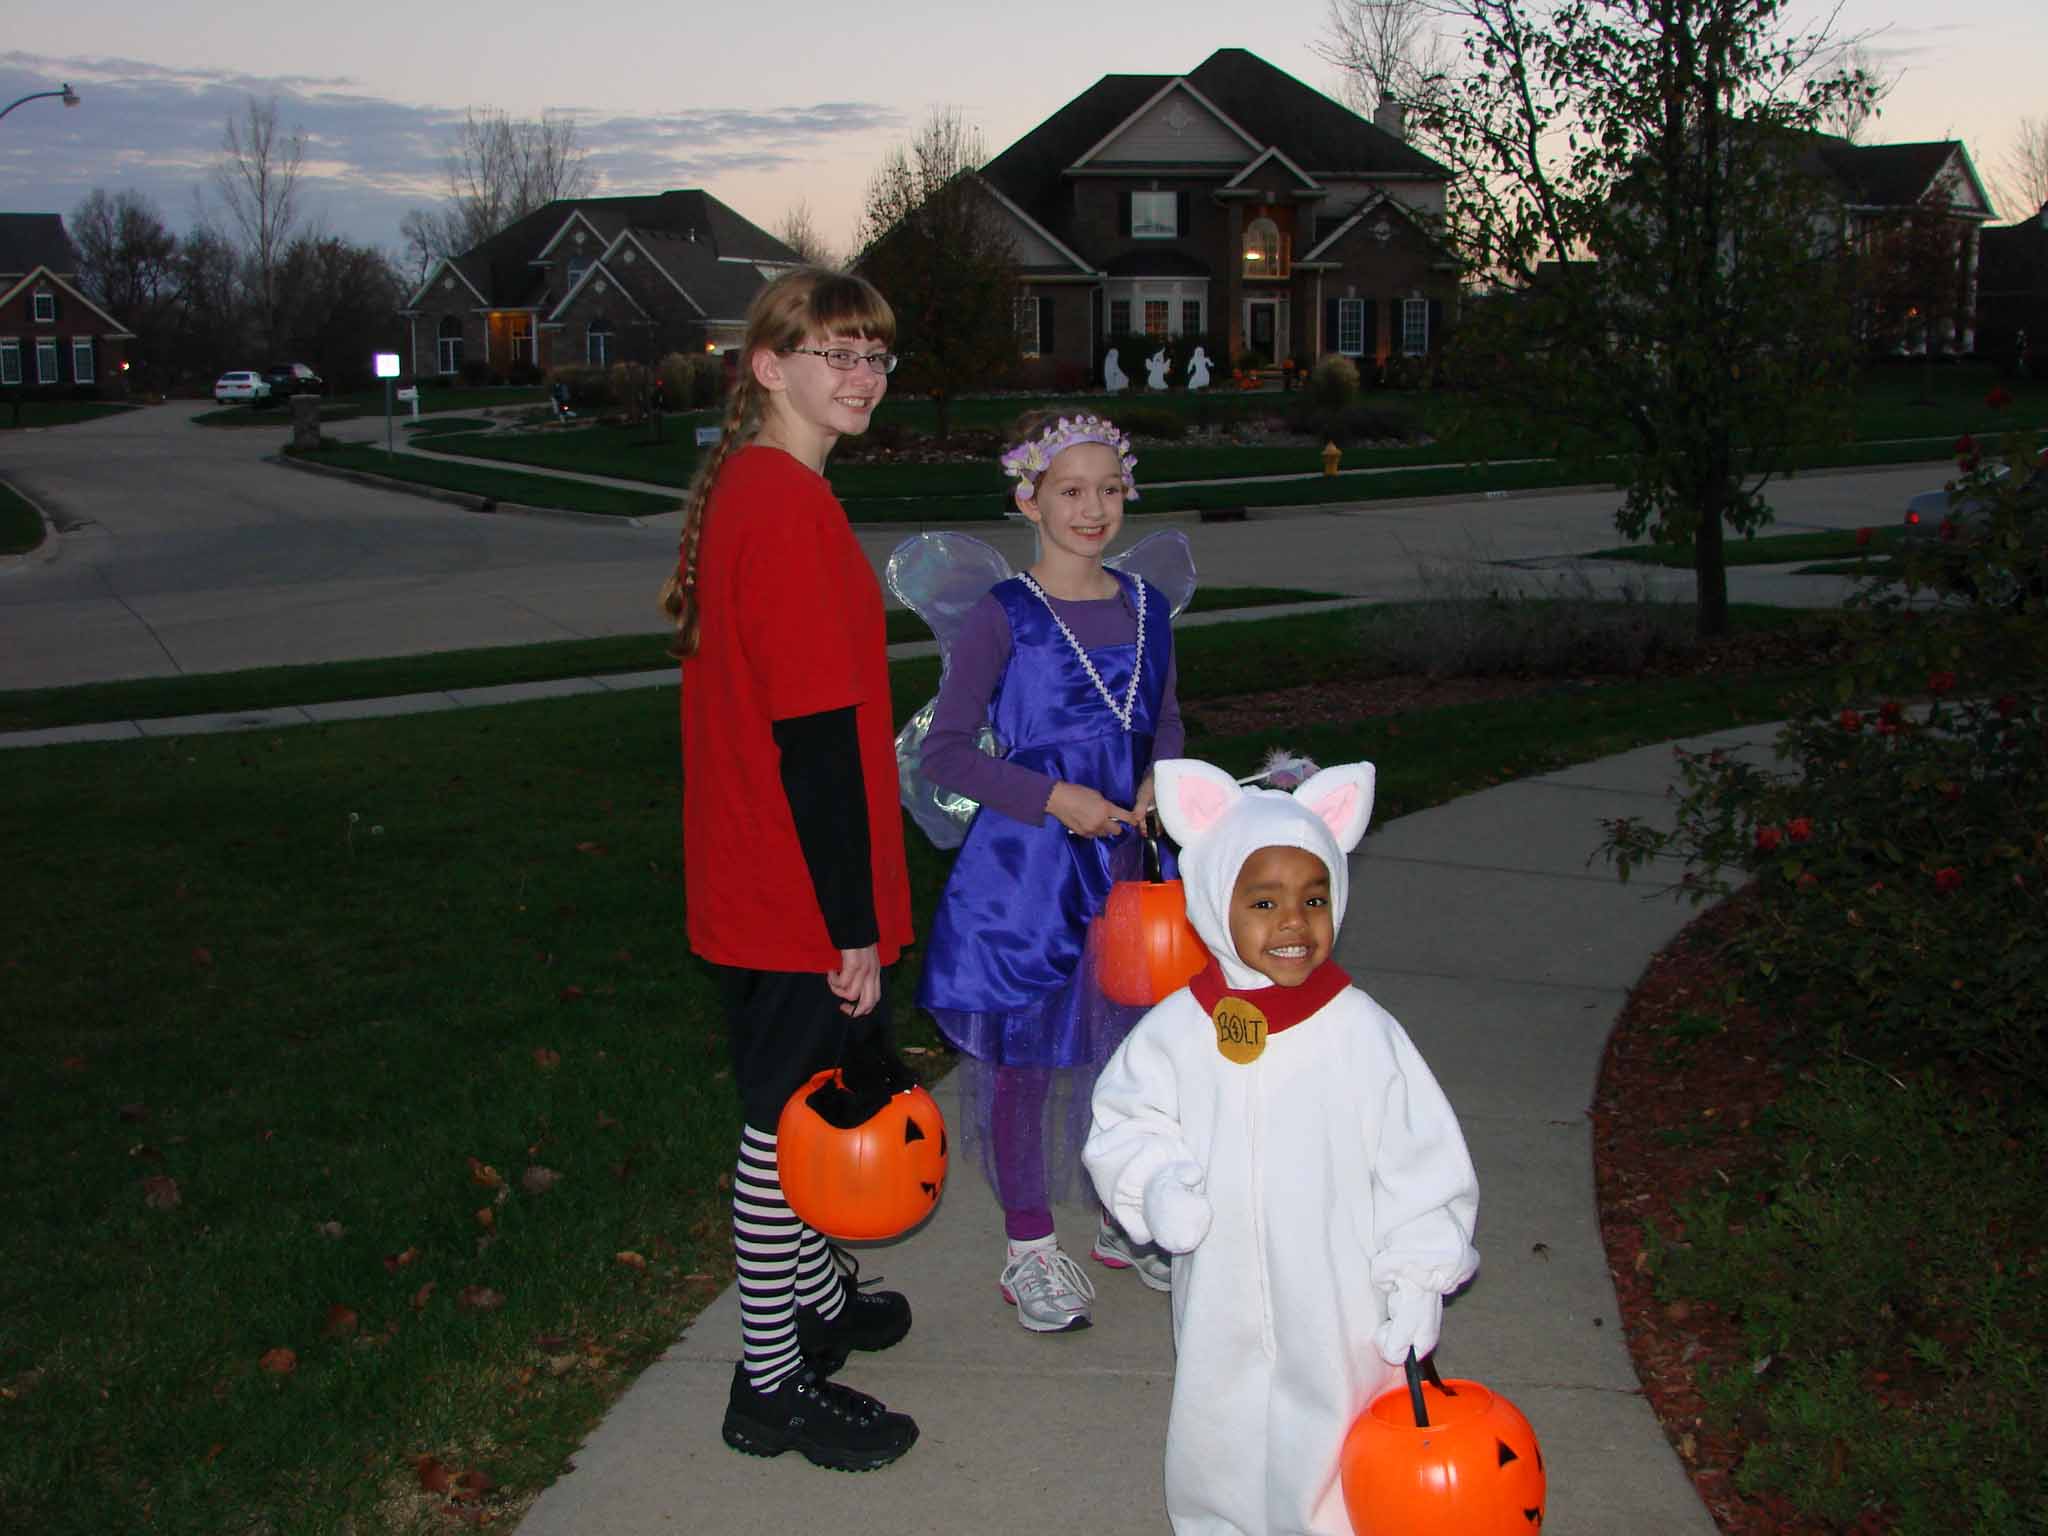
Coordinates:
<point>1176,1209</point>
<point>1415,1320</point>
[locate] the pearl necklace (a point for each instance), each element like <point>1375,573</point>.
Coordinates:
<point>1125,711</point>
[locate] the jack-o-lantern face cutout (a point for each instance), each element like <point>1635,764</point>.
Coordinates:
<point>876,1177</point>
<point>1475,1468</point>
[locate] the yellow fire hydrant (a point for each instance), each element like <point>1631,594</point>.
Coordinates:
<point>1332,457</point>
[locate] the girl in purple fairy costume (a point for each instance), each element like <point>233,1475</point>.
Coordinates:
<point>1070,664</point>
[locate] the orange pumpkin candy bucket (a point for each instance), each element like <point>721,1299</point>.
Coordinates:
<point>1441,1456</point>
<point>1145,948</point>
<point>857,1167</point>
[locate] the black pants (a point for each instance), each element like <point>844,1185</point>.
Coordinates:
<point>784,1027</point>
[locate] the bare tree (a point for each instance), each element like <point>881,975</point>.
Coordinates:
<point>127,255</point>
<point>258,180</point>
<point>503,168</point>
<point>425,236</point>
<point>799,231</point>
<point>933,242</point>
<point>2023,170</point>
<point>1386,50</point>
<point>1849,115</point>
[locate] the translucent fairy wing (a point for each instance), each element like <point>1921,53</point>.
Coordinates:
<point>939,577</point>
<point>940,814</point>
<point>1166,560</point>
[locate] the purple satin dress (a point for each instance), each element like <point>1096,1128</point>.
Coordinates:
<point>1006,971</point>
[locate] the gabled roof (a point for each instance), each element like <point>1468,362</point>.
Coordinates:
<point>502,273</point>
<point>1275,156</point>
<point>1268,107</point>
<point>1329,233</point>
<point>1099,150</point>
<point>31,240</point>
<point>1894,175</point>
<point>38,275</point>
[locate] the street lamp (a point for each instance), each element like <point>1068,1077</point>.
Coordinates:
<point>68,96</point>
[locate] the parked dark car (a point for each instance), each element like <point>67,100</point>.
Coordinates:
<point>293,379</point>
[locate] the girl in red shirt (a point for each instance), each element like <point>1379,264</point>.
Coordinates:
<point>793,861</point>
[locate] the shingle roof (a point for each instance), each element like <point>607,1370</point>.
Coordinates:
<point>1268,103</point>
<point>1884,175</point>
<point>501,267</point>
<point>31,240</point>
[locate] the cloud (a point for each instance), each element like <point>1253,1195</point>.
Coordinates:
<point>157,130</point>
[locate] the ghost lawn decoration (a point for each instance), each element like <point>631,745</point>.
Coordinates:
<point>1113,376</point>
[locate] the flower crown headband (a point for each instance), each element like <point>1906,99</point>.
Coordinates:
<point>1029,461</point>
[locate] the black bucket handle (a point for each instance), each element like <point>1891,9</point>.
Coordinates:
<point>1419,1372</point>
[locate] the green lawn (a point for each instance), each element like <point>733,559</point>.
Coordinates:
<point>31,415</point>
<point>275,414</point>
<point>493,484</point>
<point>291,1014</point>
<point>435,672</point>
<point>1903,399</point>
<point>1767,548</point>
<point>435,398</point>
<point>21,529</point>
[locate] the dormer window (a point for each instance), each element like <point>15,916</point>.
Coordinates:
<point>578,265</point>
<point>46,307</point>
<point>1265,250</point>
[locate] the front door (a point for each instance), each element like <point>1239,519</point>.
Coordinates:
<point>1262,321</point>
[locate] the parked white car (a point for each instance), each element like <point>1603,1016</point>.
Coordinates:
<point>243,384</point>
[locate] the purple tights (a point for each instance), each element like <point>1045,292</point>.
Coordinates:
<point>1017,1135</point>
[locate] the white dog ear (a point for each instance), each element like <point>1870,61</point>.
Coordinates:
<point>1341,798</point>
<point>1192,796</point>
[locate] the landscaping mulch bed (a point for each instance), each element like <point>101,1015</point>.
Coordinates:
<point>1669,1122</point>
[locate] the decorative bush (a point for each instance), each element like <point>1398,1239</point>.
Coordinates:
<point>1334,384</point>
<point>1148,420</point>
<point>589,386</point>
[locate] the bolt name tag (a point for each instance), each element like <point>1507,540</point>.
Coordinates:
<point>1240,1030</point>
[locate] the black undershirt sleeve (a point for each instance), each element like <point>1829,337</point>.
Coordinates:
<point>828,800</point>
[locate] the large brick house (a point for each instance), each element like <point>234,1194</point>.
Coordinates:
<point>1232,203</point>
<point>54,338</point>
<point>593,280</point>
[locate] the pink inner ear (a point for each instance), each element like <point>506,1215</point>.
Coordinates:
<point>1202,804</point>
<point>1336,808</point>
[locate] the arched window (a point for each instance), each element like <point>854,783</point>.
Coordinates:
<point>448,350</point>
<point>1262,249</point>
<point>598,343</point>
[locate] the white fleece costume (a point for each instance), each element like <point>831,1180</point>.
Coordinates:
<point>1319,1199</point>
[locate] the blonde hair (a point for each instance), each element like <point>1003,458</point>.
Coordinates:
<point>807,304</point>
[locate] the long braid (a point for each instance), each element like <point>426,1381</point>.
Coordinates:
<point>679,592</point>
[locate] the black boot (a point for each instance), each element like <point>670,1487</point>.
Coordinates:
<point>833,1426</point>
<point>866,1320</point>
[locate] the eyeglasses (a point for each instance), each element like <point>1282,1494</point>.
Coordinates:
<point>844,361</point>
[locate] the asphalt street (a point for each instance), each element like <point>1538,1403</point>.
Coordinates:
<point>185,549</point>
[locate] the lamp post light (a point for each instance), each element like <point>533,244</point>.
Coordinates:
<point>67,95</point>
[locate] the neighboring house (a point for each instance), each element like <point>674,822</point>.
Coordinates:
<point>53,337</point>
<point>593,280</point>
<point>1877,187</point>
<point>1232,203</point>
<point>2012,292</point>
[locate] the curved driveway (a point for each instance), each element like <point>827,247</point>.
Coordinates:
<point>184,549</point>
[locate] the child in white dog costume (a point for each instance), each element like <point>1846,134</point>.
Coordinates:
<point>1275,1129</point>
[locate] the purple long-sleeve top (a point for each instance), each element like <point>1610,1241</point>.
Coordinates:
<point>980,653</point>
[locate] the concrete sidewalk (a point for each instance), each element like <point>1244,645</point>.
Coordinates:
<point>1508,957</point>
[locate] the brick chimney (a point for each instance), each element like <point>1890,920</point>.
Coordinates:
<point>1391,117</point>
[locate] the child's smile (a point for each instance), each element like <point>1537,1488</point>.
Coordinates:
<point>1078,503</point>
<point>1280,919</point>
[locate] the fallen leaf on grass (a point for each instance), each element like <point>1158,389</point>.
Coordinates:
<point>423,1295</point>
<point>341,1321</point>
<point>71,1064</point>
<point>546,1059</point>
<point>571,994</point>
<point>331,1229</point>
<point>479,1298</point>
<point>202,956</point>
<point>279,1362</point>
<point>538,1180</point>
<point>134,1112</point>
<point>475,1483</point>
<point>394,1262</point>
<point>561,1365</point>
<point>483,1173</point>
<point>486,1217</point>
<point>631,1259</point>
<point>550,1343</point>
<point>160,1192</point>
<point>590,847</point>
<point>434,1477</point>
<point>605,1122</point>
